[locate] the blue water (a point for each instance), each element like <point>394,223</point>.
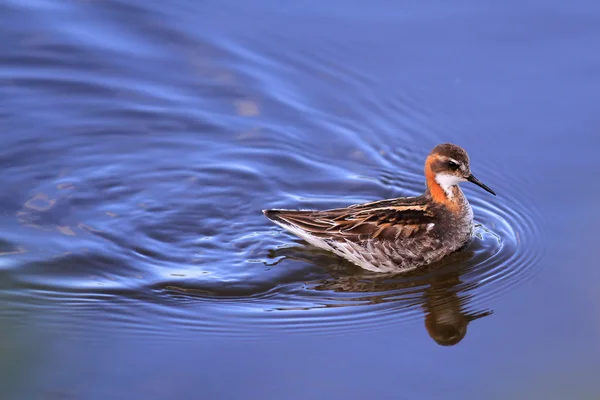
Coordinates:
<point>141,140</point>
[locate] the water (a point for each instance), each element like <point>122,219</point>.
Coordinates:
<point>141,141</point>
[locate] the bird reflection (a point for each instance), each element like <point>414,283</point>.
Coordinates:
<point>437,290</point>
<point>445,317</point>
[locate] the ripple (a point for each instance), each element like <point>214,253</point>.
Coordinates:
<point>186,254</point>
<point>339,297</point>
<point>147,204</point>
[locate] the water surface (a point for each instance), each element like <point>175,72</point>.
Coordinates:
<point>141,142</point>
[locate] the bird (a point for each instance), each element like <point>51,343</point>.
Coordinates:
<point>399,234</point>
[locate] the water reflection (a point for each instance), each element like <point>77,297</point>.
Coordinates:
<point>437,290</point>
<point>446,311</point>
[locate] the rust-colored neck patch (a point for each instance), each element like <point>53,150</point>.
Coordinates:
<point>437,193</point>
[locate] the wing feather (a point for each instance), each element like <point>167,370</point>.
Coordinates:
<point>385,220</point>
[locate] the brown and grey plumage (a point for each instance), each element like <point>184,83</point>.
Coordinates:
<point>397,234</point>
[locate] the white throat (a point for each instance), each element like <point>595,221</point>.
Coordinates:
<point>447,182</point>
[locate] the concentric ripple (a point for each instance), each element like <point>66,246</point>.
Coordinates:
<point>335,296</point>
<point>137,198</point>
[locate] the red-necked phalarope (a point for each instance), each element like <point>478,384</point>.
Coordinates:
<point>397,234</point>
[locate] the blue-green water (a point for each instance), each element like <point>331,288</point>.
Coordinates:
<point>141,140</point>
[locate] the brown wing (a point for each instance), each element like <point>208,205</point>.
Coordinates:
<point>383,220</point>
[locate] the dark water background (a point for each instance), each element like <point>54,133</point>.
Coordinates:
<point>141,139</point>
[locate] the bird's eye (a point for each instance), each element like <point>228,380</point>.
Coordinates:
<point>453,165</point>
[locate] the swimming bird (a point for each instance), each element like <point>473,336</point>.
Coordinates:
<point>399,234</point>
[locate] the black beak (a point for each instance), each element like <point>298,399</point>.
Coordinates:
<point>476,181</point>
